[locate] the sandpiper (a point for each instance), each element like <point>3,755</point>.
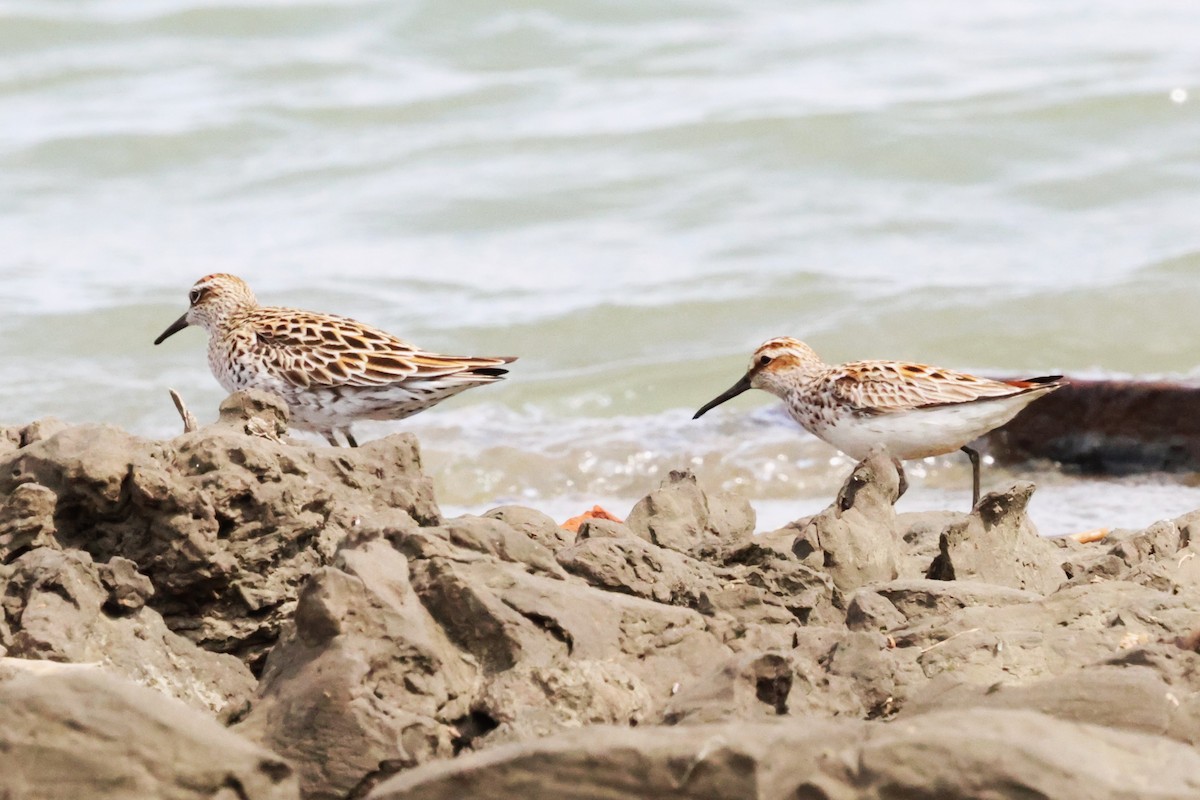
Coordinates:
<point>914,410</point>
<point>331,371</point>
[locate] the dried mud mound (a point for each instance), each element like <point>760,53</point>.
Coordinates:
<point>226,523</point>
<point>302,622</point>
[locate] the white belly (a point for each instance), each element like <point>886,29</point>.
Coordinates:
<point>919,433</point>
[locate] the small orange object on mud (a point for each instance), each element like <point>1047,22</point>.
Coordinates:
<point>1094,535</point>
<point>596,512</point>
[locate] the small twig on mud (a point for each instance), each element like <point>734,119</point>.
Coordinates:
<point>189,419</point>
<point>948,638</point>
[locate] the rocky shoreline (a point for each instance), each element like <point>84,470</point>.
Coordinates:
<point>232,615</point>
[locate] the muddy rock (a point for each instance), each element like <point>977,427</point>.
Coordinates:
<point>60,606</point>
<point>1161,556</point>
<point>1133,698</point>
<point>780,540</point>
<point>745,687</point>
<point>1178,573</point>
<point>765,598</point>
<point>807,594</point>
<point>871,611</point>
<point>922,534</point>
<point>73,731</point>
<point>949,755</point>
<point>855,541</point>
<point>764,685</point>
<point>226,522</point>
<point>128,590</point>
<point>503,616</point>
<point>531,701</point>
<point>680,516</point>
<point>534,524</point>
<point>10,439</point>
<point>495,538</point>
<point>996,543</point>
<point>363,677</point>
<point>550,653</point>
<point>869,663</point>
<point>15,437</point>
<point>1189,528</point>
<point>26,521</point>
<point>634,566</point>
<point>1161,540</point>
<point>753,601</point>
<point>1153,688</point>
<point>922,598</point>
<point>851,654</point>
<point>1026,641</point>
<point>603,529</point>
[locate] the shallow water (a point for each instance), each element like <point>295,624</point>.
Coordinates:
<point>629,196</point>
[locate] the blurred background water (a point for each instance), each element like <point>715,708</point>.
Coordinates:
<point>630,196</point>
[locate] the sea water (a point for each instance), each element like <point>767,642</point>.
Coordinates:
<point>629,196</point>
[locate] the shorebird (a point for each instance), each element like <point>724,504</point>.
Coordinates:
<point>331,371</point>
<point>914,410</point>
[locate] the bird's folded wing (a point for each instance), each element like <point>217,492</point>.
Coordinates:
<point>885,386</point>
<point>323,350</point>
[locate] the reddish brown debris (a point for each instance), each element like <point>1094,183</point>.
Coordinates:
<point>596,512</point>
<point>1094,535</point>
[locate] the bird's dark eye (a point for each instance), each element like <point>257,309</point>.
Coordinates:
<point>764,360</point>
<point>194,296</point>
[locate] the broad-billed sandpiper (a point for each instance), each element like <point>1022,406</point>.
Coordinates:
<point>914,410</point>
<point>331,371</point>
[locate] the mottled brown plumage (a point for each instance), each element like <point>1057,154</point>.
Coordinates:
<point>330,370</point>
<point>914,409</point>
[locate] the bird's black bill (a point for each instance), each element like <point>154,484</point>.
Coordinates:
<point>728,394</point>
<point>175,328</point>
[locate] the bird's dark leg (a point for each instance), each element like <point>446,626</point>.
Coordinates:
<point>974,456</point>
<point>349,437</point>
<point>331,438</point>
